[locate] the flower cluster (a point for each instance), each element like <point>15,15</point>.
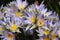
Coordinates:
<point>14,16</point>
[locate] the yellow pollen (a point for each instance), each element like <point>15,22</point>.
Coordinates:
<point>39,22</point>
<point>20,7</point>
<point>45,32</point>
<point>17,14</point>
<point>45,38</point>
<point>1,29</point>
<point>13,27</point>
<point>52,36</point>
<point>32,19</point>
<point>9,36</point>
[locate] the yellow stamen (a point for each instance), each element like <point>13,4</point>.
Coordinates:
<point>39,22</point>
<point>9,36</point>
<point>52,36</point>
<point>17,14</point>
<point>45,38</point>
<point>20,7</point>
<point>1,29</point>
<point>13,27</point>
<point>32,19</point>
<point>45,32</point>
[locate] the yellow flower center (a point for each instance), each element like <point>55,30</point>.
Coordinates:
<point>45,32</point>
<point>1,29</point>
<point>52,36</point>
<point>17,14</point>
<point>39,22</point>
<point>20,7</point>
<point>13,27</point>
<point>9,36</point>
<point>32,19</point>
<point>45,38</point>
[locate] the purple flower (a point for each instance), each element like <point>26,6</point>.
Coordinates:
<point>30,18</point>
<point>7,36</point>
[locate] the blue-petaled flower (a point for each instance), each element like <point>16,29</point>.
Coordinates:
<point>40,7</point>
<point>30,18</point>
<point>7,36</point>
<point>13,27</point>
<point>12,22</point>
<point>14,16</point>
<point>49,28</point>
<point>21,5</point>
<point>40,19</point>
<point>51,35</point>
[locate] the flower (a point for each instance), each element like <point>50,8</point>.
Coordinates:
<point>13,27</point>
<point>47,35</point>
<point>42,32</point>
<point>39,19</point>
<point>45,38</point>
<point>52,36</point>
<point>45,13</point>
<point>20,5</point>
<point>12,22</point>
<point>7,36</point>
<point>17,14</point>
<point>7,18</point>
<point>39,22</point>
<point>30,19</point>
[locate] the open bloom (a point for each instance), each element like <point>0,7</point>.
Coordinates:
<point>30,18</point>
<point>12,22</point>
<point>13,27</point>
<point>12,18</point>
<point>7,36</point>
<point>45,13</point>
<point>50,34</point>
<point>21,5</point>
